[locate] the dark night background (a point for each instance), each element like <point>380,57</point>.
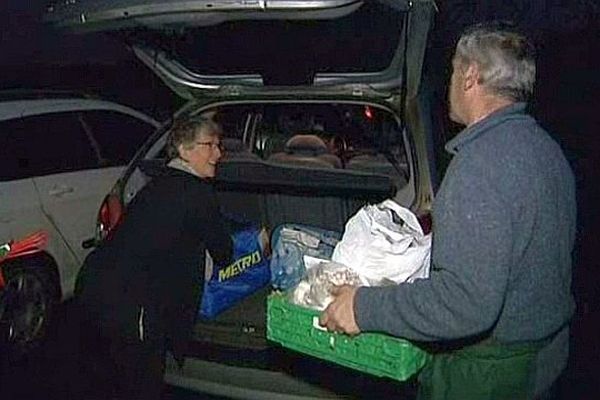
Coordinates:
<point>567,103</point>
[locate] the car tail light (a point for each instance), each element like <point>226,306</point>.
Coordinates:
<point>110,215</point>
<point>426,222</point>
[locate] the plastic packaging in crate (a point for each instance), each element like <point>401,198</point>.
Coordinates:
<point>378,354</point>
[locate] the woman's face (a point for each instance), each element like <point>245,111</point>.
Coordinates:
<point>203,154</point>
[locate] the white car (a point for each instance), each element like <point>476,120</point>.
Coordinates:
<point>59,155</point>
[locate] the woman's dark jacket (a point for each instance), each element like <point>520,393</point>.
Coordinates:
<point>155,261</point>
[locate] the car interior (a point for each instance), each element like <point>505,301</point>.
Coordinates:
<point>303,163</point>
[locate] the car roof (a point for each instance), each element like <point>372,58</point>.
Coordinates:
<point>17,108</point>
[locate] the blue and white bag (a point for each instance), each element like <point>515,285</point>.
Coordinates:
<point>290,243</point>
<point>229,284</point>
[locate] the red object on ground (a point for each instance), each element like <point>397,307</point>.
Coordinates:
<point>31,244</point>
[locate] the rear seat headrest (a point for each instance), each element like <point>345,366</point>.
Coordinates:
<point>305,144</point>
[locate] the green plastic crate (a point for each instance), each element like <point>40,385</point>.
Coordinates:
<point>378,354</point>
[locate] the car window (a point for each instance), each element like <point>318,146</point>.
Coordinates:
<point>309,135</point>
<point>43,145</point>
<point>235,121</point>
<point>118,136</point>
<point>347,130</point>
<point>353,137</point>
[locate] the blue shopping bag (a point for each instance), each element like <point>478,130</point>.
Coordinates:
<point>290,243</point>
<point>247,273</point>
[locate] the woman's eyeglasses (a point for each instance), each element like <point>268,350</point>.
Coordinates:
<point>213,146</point>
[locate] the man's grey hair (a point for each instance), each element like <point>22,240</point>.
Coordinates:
<point>506,59</point>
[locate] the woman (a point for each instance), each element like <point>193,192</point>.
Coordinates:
<point>139,291</point>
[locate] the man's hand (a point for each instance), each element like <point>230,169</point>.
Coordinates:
<point>339,315</point>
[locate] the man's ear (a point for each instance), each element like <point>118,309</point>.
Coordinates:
<point>471,76</point>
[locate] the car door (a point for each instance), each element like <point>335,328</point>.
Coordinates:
<point>19,202</point>
<point>68,180</point>
<point>88,151</point>
<point>21,212</point>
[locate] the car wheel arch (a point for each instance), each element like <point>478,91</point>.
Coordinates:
<point>40,259</point>
<point>40,270</point>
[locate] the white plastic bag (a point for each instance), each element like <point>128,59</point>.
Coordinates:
<point>384,242</point>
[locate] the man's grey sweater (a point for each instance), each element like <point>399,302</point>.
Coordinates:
<point>503,232</point>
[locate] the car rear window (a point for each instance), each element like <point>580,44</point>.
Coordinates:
<point>331,136</point>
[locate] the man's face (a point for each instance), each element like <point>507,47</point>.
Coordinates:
<point>455,92</point>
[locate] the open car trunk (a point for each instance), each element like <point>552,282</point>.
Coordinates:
<point>353,66</point>
<point>276,194</point>
<point>315,197</point>
<point>328,44</point>
<point>271,194</point>
<point>261,179</point>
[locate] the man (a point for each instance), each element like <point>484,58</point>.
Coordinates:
<point>499,295</point>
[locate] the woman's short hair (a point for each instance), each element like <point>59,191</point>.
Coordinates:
<point>185,132</point>
<point>506,59</point>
